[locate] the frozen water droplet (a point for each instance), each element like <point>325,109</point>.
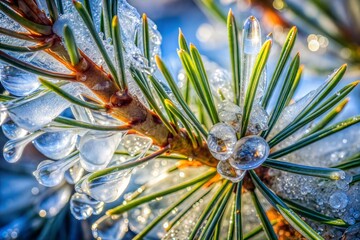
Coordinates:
<point>221,141</point>
<point>338,200</point>
<point>110,227</point>
<point>229,172</point>
<point>12,130</point>
<point>14,149</point>
<point>56,145</point>
<point>51,173</point>
<point>258,120</point>
<point>251,45</point>
<point>251,36</point>
<point>249,153</point>
<point>352,233</point>
<point>17,82</point>
<point>106,188</point>
<point>231,114</point>
<point>343,181</point>
<point>83,206</point>
<point>97,149</point>
<point>38,112</point>
<point>74,174</point>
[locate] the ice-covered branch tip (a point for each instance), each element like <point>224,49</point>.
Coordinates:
<point>66,48</point>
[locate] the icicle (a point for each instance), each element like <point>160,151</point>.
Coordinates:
<point>50,173</point>
<point>251,43</point>
<point>12,131</point>
<point>83,206</point>
<point>56,145</point>
<point>17,82</point>
<point>106,188</point>
<point>14,149</point>
<point>97,149</point>
<point>33,115</point>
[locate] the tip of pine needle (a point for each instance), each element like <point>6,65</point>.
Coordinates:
<point>356,83</point>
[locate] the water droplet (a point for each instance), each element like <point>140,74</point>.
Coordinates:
<point>17,82</point>
<point>51,173</point>
<point>338,200</point>
<point>221,141</point>
<point>343,183</point>
<point>83,206</point>
<point>106,188</point>
<point>56,145</point>
<point>231,114</point>
<point>97,149</point>
<point>249,153</point>
<point>32,114</point>
<point>14,149</point>
<point>110,227</point>
<point>227,171</point>
<point>12,130</point>
<point>258,120</point>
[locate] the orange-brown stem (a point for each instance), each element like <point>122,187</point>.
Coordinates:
<point>129,109</point>
<point>119,102</point>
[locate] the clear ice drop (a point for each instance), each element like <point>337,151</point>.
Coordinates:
<point>56,145</point>
<point>221,141</point>
<point>83,206</point>
<point>17,82</point>
<point>338,200</point>
<point>38,112</point>
<point>249,153</point>
<point>51,173</point>
<point>106,188</point>
<point>251,45</point>
<point>229,172</point>
<point>97,149</point>
<point>12,131</point>
<point>231,114</point>
<point>13,149</point>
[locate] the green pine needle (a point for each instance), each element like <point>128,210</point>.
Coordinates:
<point>69,97</point>
<point>71,47</point>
